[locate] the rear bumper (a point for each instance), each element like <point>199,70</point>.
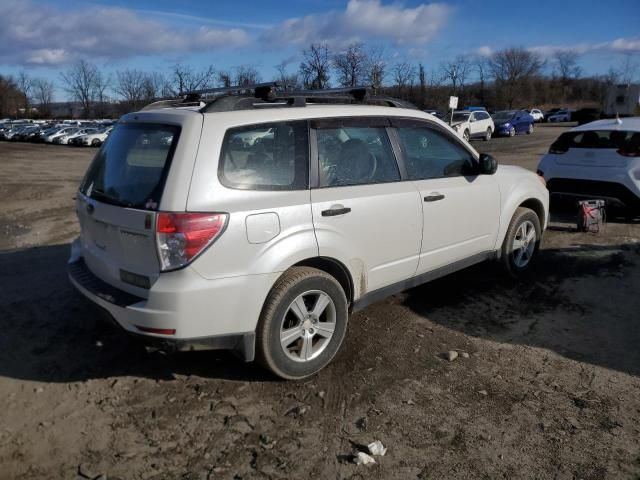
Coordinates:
<point>616,194</point>
<point>204,314</point>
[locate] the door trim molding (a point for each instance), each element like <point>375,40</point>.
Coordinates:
<point>384,292</point>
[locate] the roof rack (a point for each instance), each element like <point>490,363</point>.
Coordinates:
<point>273,95</point>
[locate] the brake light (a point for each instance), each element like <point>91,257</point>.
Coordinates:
<point>183,236</point>
<point>628,153</point>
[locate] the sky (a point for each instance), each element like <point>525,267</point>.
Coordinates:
<point>44,37</point>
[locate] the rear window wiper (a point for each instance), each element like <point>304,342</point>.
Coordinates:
<point>110,199</point>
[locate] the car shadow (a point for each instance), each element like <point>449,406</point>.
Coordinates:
<point>51,333</point>
<point>580,302</point>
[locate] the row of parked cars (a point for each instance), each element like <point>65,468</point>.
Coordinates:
<point>89,134</point>
<point>478,123</point>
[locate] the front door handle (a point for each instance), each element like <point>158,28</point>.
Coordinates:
<point>433,197</point>
<point>335,210</point>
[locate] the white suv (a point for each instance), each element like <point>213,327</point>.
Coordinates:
<point>472,124</point>
<point>598,160</point>
<point>197,238</point>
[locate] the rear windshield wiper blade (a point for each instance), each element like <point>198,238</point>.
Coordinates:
<point>110,199</point>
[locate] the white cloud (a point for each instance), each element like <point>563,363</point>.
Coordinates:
<point>37,34</point>
<point>484,51</point>
<point>619,45</point>
<point>363,20</point>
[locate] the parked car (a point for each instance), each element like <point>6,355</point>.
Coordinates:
<point>552,111</point>
<point>94,139</point>
<point>70,136</point>
<point>265,248</point>
<point>513,122</point>
<point>586,115</point>
<point>471,124</point>
<point>560,116</point>
<point>536,113</point>
<point>59,132</point>
<point>599,160</point>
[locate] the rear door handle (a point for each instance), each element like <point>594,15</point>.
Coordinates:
<point>433,197</point>
<point>335,210</point>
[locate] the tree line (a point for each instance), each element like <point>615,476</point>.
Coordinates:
<point>508,78</point>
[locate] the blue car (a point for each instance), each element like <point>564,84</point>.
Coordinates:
<point>512,122</point>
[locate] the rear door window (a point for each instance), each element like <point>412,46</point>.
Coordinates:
<point>355,155</point>
<point>131,167</point>
<point>270,156</point>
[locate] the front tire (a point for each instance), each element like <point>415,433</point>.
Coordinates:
<point>302,324</point>
<point>512,131</point>
<point>521,243</point>
<point>466,135</point>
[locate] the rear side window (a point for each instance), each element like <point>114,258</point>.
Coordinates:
<point>131,167</point>
<point>430,154</point>
<point>355,156</point>
<point>592,139</point>
<point>269,156</point>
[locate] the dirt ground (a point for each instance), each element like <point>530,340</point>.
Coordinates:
<point>550,389</point>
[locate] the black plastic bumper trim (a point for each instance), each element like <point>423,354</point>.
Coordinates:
<point>79,272</point>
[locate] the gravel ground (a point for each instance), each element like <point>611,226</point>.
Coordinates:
<point>545,385</point>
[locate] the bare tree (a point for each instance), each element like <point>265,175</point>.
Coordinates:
<point>25,85</point>
<point>376,67</point>
<point>225,78</point>
<point>10,96</point>
<point>132,86</point>
<point>314,67</point>
<point>628,69</point>
<point>404,74</point>
<point>511,68</point>
<point>456,71</point>
<point>566,63</point>
<point>246,75</point>
<point>43,94</point>
<point>351,65</point>
<point>154,86</point>
<point>184,78</point>
<point>81,81</point>
<point>480,65</point>
<point>289,81</point>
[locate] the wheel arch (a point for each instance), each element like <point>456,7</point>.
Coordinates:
<point>336,269</point>
<point>537,206</point>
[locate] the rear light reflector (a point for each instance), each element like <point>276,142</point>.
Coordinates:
<point>183,236</point>
<point>157,331</point>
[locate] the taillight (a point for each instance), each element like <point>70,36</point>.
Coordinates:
<point>628,153</point>
<point>183,236</point>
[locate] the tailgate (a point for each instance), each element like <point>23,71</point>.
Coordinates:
<point>117,202</point>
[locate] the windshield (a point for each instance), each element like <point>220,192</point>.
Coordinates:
<point>504,115</point>
<point>457,116</point>
<point>131,167</point>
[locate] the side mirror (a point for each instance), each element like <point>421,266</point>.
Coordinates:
<point>488,164</point>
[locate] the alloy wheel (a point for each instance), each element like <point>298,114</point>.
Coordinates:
<point>524,244</point>
<point>308,326</point>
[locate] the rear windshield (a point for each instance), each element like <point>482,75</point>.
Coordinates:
<point>131,167</point>
<point>594,139</point>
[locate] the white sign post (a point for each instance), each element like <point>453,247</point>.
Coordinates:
<point>453,104</point>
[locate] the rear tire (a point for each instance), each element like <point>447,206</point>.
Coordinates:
<point>293,340</point>
<point>530,129</point>
<point>521,242</point>
<point>487,135</point>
